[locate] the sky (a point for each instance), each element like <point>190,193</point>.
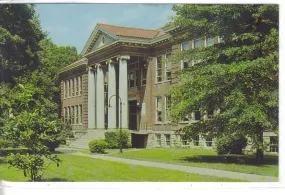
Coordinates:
<point>72,24</point>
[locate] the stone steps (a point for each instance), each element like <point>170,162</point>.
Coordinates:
<point>83,141</point>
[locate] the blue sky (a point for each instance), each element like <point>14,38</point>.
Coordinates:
<point>72,24</point>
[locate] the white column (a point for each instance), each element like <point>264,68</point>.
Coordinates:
<point>111,91</point>
<point>91,99</point>
<point>100,103</point>
<point>123,90</point>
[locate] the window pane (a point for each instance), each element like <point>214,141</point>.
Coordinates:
<point>197,43</point>
<point>185,45</point>
<point>185,65</point>
<point>197,115</point>
<point>210,41</point>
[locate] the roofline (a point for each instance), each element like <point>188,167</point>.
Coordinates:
<point>97,28</point>
<point>80,62</point>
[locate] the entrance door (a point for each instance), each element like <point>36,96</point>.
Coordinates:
<point>133,115</point>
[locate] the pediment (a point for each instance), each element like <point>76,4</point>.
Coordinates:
<point>96,39</point>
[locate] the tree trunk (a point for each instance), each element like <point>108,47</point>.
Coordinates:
<point>259,152</point>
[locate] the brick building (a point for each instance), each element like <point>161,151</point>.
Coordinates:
<point>131,64</point>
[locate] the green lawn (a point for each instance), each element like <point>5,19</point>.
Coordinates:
<point>205,158</point>
<point>82,168</point>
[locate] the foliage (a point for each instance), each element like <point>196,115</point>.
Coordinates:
<point>113,139</point>
<point>237,77</point>
<point>29,123</point>
<point>20,34</point>
<point>97,146</point>
<point>5,143</point>
<point>8,151</point>
<point>230,144</point>
<point>29,87</point>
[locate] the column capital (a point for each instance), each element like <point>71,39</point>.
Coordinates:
<point>123,57</point>
<point>110,61</point>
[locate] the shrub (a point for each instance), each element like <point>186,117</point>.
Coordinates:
<point>97,146</point>
<point>113,139</point>
<point>230,144</point>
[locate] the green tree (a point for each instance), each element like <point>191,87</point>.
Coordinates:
<point>238,77</point>
<point>20,34</point>
<point>30,124</point>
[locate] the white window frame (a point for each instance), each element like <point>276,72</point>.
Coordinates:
<point>158,109</point>
<point>68,115</point>
<point>167,142</point>
<point>166,110</point>
<point>206,41</point>
<point>68,89</point>
<point>196,141</point>
<point>71,87</point>
<point>211,142</point>
<point>158,139</point>
<point>80,114</point>
<point>72,115</point>
<point>273,147</point>
<point>156,80</point>
<point>165,67</point>
<point>188,45</point>
<point>79,86</point>
<point>75,87</point>
<point>75,115</point>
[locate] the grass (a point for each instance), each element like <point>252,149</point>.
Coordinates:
<point>82,168</point>
<point>206,158</point>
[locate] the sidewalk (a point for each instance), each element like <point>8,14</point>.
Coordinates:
<point>188,169</point>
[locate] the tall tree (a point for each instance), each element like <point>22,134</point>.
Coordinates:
<point>20,34</point>
<point>238,77</point>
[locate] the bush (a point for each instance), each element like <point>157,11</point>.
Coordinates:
<point>113,139</point>
<point>230,144</point>
<point>97,146</point>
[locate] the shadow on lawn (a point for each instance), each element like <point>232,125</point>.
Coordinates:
<point>246,160</point>
<point>56,179</point>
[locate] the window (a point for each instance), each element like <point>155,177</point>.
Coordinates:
<point>184,142</point>
<point>210,41</point>
<point>68,89</point>
<point>65,115</point>
<point>210,111</point>
<point>137,77</point>
<point>168,67</point>
<point>197,115</point>
<point>76,114</point>
<point>185,65</point>
<point>167,107</point>
<point>185,45</point>
<point>167,137</point>
<point>273,144</point>
<point>132,79</point>
<point>76,86</point>
<point>144,73</point>
<point>80,114</point>
<point>71,88</point>
<point>209,141</point>
<point>158,139</point>
<point>103,40</point>
<point>197,43</point>
<point>80,85</point>
<point>196,141</point>
<point>68,116</point>
<point>158,69</point>
<point>64,89</point>
<point>72,115</point>
<point>159,109</point>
